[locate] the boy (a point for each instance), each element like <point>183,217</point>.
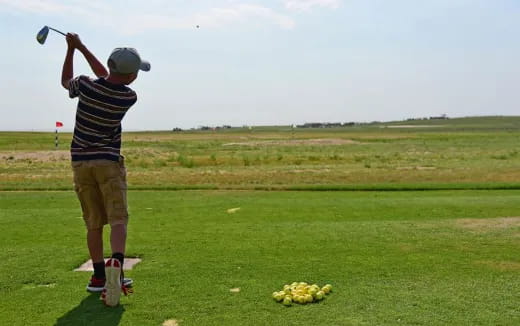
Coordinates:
<point>98,167</point>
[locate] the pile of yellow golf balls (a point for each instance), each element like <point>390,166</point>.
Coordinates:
<point>302,293</point>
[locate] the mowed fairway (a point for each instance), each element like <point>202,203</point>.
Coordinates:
<point>394,258</point>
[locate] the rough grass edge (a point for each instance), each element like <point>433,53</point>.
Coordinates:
<point>319,187</point>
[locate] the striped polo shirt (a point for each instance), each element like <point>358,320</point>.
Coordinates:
<point>101,107</point>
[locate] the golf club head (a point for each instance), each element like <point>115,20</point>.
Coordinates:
<point>42,35</point>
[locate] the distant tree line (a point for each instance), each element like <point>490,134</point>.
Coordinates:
<point>328,124</point>
<point>441,117</point>
<point>320,124</point>
<point>205,128</point>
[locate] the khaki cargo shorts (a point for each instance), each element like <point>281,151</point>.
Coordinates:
<point>101,189</point>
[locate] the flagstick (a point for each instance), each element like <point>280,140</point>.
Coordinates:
<point>56,139</point>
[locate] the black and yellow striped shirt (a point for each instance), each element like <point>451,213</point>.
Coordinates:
<point>101,107</point>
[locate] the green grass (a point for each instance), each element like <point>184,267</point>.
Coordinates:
<point>394,258</point>
<point>330,210</point>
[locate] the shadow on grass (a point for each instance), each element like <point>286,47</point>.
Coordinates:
<point>92,311</point>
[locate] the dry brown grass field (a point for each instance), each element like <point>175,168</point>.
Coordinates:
<point>467,151</point>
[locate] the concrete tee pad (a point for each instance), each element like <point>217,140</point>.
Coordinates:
<point>129,264</point>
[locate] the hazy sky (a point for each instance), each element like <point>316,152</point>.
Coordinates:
<point>271,61</point>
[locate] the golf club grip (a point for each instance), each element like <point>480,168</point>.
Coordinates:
<point>58,31</point>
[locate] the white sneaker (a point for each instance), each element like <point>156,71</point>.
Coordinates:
<point>112,291</point>
<point>98,284</point>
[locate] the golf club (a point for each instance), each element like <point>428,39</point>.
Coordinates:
<point>42,34</point>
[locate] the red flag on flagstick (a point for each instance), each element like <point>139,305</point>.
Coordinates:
<point>59,124</point>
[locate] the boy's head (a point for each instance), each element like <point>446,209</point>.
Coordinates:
<point>124,64</point>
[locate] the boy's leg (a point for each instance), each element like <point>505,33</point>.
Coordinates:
<point>95,247</point>
<point>118,241</point>
<point>114,266</point>
<point>111,177</point>
<point>95,244</point>
<point>94,214</point>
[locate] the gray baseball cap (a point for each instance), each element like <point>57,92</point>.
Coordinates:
<point>127,61</point>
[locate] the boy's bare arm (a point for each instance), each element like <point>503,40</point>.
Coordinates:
<point>74,42</point>
<point>96,66</point>
<point>67,72</point>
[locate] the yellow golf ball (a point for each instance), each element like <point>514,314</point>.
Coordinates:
<point>308,298</point>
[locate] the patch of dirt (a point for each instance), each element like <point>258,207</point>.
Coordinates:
<point>503,266</point>
<point>234,290</point>
<point>420,168</point>
<point>310,171</point>
<point>170,322</point>
<point>406,247</point>
<point>382,136</point>
<point>37,156</point>
<point>482,225</point>
<point>30,286</point>
<point>296,142</point>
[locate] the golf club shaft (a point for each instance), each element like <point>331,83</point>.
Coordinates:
<point>58,31</point>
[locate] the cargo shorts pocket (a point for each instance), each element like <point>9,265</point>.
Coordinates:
<point>92,206</point>
<point>121,187</point>
<point>117,205</point>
